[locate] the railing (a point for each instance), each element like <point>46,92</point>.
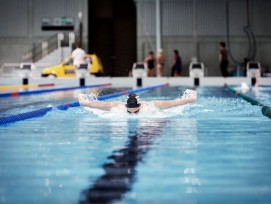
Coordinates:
<point>52,43</point>
<point>37,52</point>
<point>44,48</point>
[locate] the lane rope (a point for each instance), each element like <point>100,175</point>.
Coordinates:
<point>266,110</point>
<point>43,111</point>
<point>23,93</point>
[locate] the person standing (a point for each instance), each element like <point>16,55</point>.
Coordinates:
<point>78,56</point>
<point>176,69</point>
<point>160,63</point>
<point>150,63</point>
<point>223,59</point>
<point>245,66</point>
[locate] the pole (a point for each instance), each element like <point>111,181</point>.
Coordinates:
<point>80,16</point>
<point>81,34</point>
<point>158,26</point>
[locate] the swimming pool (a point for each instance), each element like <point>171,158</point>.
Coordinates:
<point>216,150</point>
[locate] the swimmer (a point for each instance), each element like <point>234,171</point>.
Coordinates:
<point>133,103</point>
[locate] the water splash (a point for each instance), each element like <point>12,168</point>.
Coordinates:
<point>188,93</point>
<point>89,97</point>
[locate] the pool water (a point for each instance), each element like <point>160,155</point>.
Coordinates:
<point>216,150</point>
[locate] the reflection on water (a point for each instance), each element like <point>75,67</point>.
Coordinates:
<point>190,143</point>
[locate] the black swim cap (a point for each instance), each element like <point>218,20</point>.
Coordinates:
<point>132,101</point>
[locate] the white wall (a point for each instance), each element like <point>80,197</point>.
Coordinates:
<point>20,24</point>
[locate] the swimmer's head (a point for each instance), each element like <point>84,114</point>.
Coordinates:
<point>132,103</point>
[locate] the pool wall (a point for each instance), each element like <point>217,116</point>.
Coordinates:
<point>131,82</point>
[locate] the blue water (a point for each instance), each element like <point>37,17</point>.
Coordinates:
<point>216,150</point>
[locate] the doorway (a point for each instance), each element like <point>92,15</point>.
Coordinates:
<point>112,34</point>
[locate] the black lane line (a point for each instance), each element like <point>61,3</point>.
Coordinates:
<point>120,173</point>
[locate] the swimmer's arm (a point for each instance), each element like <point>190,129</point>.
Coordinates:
<point>176,102</point>
<point>98,104</point>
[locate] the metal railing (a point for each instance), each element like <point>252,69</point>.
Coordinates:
<point>47,46</point>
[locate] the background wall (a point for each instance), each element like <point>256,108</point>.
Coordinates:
<point>20,24</point>
<point>195,28</point>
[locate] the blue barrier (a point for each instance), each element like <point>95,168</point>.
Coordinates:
<point>43,111</point>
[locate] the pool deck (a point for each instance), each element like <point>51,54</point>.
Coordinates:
<point>132,82</point>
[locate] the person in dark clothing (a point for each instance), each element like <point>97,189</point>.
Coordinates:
<point>245,66</point>
<point>150,62</point>
<point>223,59</point>
<point>177,66</point>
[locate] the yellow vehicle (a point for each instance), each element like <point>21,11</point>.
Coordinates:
<point>67,69</point>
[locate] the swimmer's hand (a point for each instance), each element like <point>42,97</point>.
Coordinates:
<point>193,95</point>
<point>82,99</point>
<point>188,93</point>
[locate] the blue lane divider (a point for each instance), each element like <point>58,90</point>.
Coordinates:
<point>23,93</point>
<point>43,111</point>
<point>23,116</point>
